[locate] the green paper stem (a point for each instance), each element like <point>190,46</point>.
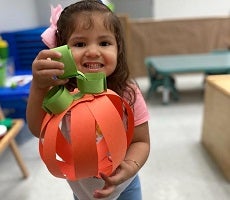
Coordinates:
<point>94,83</point>
<point>58,99</point>
<point>70,67</point>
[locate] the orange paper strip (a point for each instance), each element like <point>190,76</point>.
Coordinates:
<point>81,156</point>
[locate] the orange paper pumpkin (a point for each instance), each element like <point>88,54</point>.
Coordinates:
<point>80,156</point>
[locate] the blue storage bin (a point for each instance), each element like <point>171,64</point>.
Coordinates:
<point>14,100</point>
<point>24,45</point>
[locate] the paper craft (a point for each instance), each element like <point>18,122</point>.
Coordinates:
<point>101,129</point>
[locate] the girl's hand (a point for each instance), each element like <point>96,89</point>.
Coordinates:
<point>45,69</point>
<point>124,171</point>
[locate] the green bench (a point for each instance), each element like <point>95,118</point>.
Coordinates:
<point>167,65</point>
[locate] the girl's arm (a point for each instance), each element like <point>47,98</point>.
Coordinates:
<point>136,156</point>
<point>34,111</point>
<point>138,151</point>
<point>44,68</point>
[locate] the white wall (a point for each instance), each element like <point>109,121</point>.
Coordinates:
<point>174,9</point>
<point>22,14</point>
<point>44,6</point>
<point>16,14</point>
<point>135,8</point>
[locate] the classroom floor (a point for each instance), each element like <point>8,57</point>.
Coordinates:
<point>178,168</point>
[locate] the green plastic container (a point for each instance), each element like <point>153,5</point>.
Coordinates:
<point>2,72</point>
<point>3,61</point>
<point>3,49</point>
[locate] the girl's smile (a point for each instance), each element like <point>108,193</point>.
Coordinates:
<point>93,66</point>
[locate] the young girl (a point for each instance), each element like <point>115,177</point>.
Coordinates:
<point>94,35</point>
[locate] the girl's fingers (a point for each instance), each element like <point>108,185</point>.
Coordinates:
<point>105,192</point>
<point>59,82</point>
<point>49,73</point>
<point>46,69</point>
<point>41,64</point>
<point>48,59</point>
<point>111,183</point>
<point>48,53</point>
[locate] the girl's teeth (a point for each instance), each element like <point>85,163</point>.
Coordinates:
<point>93,66</point>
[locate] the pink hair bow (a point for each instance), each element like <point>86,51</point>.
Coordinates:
<point>48,36</point>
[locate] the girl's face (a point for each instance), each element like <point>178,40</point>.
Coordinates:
<point>94,49</point>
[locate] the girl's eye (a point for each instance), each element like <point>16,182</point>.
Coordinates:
<point>105,44</point>
<point>80,44</point>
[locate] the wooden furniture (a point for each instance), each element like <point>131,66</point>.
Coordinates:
<point>153,37</point>
<point>9,140</point>
<point>124,19</point>
<point>216,126</point>
<point>187,63</point>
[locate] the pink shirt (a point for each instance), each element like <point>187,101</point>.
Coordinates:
<point>140,112</point>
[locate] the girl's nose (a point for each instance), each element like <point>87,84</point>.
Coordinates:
<point>93,51</point>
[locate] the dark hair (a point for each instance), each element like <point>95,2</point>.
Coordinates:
<point>119,81</point>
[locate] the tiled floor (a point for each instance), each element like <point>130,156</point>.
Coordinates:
<point>178,168</point>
